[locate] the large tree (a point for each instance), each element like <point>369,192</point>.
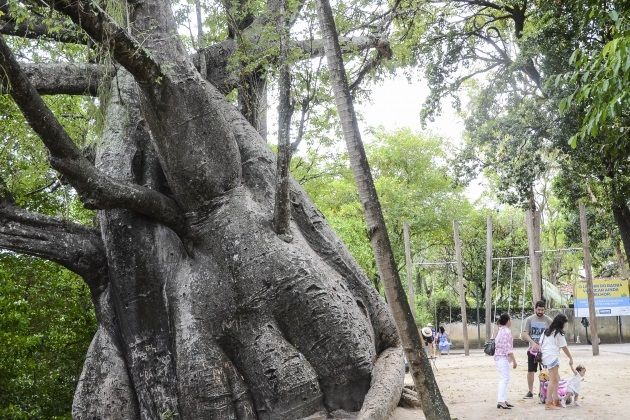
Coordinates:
<point>203,310</point>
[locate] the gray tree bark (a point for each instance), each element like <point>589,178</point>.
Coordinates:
<point>411,293</point>
<point>588,270</point>
<point>205,312</point>
<point>461,284</point>
<point>488,295</point>
<point>282,210</point>
<point>60,78</point>
<point>532,224</point>
<point>621,213</point>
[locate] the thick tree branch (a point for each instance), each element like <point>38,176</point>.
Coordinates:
<point>96,190</point>
<point>104,30</point>
<point>61,78</point>
<point>315,47</point>
<point>85,79</point>
<point>76,247</point>
<point>225,77</point>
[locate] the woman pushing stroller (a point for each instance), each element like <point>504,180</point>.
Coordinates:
<point>551,341</point>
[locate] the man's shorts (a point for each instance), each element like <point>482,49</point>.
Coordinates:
<point>532,365</point>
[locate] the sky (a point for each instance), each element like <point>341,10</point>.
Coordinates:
<point>396,103</point>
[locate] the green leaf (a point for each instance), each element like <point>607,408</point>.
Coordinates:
<point>614,15</point>
<point>562,106</point>
<point>610,47</point>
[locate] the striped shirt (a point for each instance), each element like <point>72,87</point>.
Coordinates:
<point>503,342</point>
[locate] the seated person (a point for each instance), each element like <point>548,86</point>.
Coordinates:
<point>444,346</point>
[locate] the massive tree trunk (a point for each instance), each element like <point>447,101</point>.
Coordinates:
<point>204,312</point>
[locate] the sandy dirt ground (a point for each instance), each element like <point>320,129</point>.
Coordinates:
<point>469,386</point>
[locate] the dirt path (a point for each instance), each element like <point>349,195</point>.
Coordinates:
<point>469,386</point>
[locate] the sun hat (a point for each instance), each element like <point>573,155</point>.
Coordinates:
<point>426,331</point>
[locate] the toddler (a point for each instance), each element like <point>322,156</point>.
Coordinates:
<point>573,384</point>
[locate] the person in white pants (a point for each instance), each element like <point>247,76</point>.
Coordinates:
<point>503,358</point>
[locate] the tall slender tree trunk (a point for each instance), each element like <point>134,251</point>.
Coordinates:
<point>623,264</point>
<point>532,223</point>
<point>588,270</point>
<point>432,403</point>
<point>199,18</point>
<point>621,213</point>
<point>488,278</point>
<point>282,210</point>
<point>461,284</point>
<point>409,265</point>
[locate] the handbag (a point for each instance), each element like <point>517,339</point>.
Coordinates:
<point>489,347</point>
<point>538,357</point>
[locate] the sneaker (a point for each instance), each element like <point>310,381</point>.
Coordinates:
<point>529,395</point>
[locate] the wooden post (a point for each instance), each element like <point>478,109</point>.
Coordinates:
<point>532,223</point>
<point>462,288</point>
<point>411,294</point>
<point>489,319</point>
<point>589,280</point>
<point>478,299</point>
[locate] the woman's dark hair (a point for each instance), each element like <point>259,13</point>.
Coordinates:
<point>503,319</point>
<point>441,330</point>
<point>557,325</point>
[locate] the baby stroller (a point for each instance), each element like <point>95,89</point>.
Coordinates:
<point>544,384</point>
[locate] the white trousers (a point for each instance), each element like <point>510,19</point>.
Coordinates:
<point>503,366</point>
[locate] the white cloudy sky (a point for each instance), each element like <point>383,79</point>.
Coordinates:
<point>396,103</point>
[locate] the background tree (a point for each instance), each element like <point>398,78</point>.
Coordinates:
<point>46,323</point>
<point>412,180</point>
